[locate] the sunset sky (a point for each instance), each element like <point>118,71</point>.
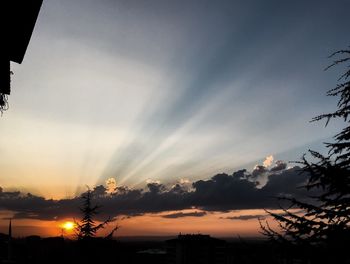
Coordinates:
<point>155,98</point>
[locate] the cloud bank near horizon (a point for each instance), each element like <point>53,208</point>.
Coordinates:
<point>221,193</point>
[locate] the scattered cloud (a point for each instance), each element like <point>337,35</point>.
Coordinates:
<point>152,181</point>
<point>181,214</point>
<point>111,184</point>
<point>259,170</point>
<point>268,161</point>
<point>184,181</point>
<point>279,166</point>
<point>155,188</point>
<point>246,217</point>
<point>260,173</point>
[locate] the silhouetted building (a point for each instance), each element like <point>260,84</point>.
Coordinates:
<point>17,22</point>
<point>196,249</point>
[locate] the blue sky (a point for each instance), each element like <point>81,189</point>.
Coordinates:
<point>167,90</point>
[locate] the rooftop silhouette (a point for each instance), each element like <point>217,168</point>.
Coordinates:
<point>17,24</point>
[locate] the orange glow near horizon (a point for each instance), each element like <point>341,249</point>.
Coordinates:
<point>219,224</point>
<point>213,223</point>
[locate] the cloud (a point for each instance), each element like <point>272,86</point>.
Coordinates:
<point>184,181</point>
<point>155,188</point>
<point>246,217</point>
<point>260,216</point>
<point>99,191</point>
<point>111,184</point>
<point>268,161</point>
<point>222,192</point>
<point>178,188</point>
<point>287,182</point>
<point>181,214</point>
<point>279,166</point>
<point>152,181</point>
<point>261,173</point>
<point>259,170</point>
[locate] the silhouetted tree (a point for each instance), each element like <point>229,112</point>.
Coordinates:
<point>110,235</point>
<point>87,228</point>
<point>325,218</point>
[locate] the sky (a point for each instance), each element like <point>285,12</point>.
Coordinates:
<point>159,93</point>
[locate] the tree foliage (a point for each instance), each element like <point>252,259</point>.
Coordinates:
<point>87,227</point>
<point>325,217</point>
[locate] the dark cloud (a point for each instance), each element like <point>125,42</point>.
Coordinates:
<point>181,214</point>
<point>222,192</point>
<point>259,170</point>
<point>179,188</point>
<point>246,217</point>
<point>99,190</point>
<point>288,182</point>
<point>225,192</point>
<point>279,166</point>
<point>155,188</point>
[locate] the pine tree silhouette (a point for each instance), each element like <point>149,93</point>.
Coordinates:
<point>325,218</point>
<point>87,228</point>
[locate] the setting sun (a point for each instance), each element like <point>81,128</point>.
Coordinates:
<point>68,226</point>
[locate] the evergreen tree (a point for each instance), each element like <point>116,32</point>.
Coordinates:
<point>325,217</point>
<point>87,228</point>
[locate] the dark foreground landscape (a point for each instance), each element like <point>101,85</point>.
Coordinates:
<point>182,249</point>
